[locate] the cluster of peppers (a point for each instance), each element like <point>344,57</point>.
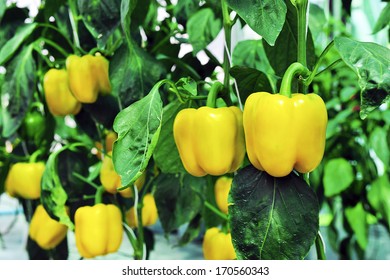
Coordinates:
<point>81,82</point>
<point>279,133</point>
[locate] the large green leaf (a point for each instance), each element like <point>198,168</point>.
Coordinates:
<point>166,155</point>
<point>250,80</point>
<point>17,90</point>
<point>371,63</point>
<point>284,52</point>
<point>338,176</point>
<point>178,199</point>
<point>357,219</point>
<point>378,142</point>
<point>133,72</point>
<point>272,218</point>
<point>12,45</point>
<point>265,17</point>
<point>138,128</point>
<point>53,195</point>
<point>378,196</point>
<point>202,28</point>
<point>383,19</point>
<point>101,17</point>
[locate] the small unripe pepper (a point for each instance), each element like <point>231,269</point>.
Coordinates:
<point>210,140</point>
<point>149,213</point>
<point>59,98</point>
<point>45,231</point>
<point>24,180</point>
<point>285,133</point>
<point>98,230</point>
<point>217,245</point>
<point>221,191</point>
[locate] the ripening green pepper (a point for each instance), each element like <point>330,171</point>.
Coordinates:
<point>285,133</point>
<point>210,140</point>
<point>45,231</point>
<point>98,230</point>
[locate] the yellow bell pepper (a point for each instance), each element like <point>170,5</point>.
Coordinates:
<point>285,133</point>
<point>24,180</point>
<point>110,138</point>
<point>45,231</point>
<point>98,230</point>
<point>210,140</point>
<point>59,98</point>
<point>88,76</point>
<point>149,213</point>
<point>217,245</point>
<point>111,181</point>
<point>221,191</point>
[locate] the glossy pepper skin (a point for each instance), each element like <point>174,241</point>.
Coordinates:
<point>149,213</point>
<point>218,245</point>
<point>221,191</point>
<point>45,231</point>
<point>111,181</point>
<point>59,98</point>
<point>284,133</point>
<point>210,140</point>
<point>24,180</point>
<point>88,76</point>
<point>98,230</point>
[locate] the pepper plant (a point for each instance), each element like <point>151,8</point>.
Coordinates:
<point>252,148</point>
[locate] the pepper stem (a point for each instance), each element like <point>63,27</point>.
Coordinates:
<point>99,195</point>
<point>293,70</point>
<point>213,93</point>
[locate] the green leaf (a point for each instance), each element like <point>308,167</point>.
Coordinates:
<point>166,155</point>
<point>17,90</point>
<point>357,219</point>
<point>265,17</point>
<point>338,176</point>
<point>192,231</point>
<point>272,218</point>
<point>177,201</point>
<point>138,128</point>
<point>250,80</point>
<point>202,28</point>
<point>378,142</point>
<point>11,46</point>
<point>250,53</point>
<point>53,195</point>
<point>101,17</point>
<point>127,8</point>
<point>285,50</point>
<point>3,8</point>
<point>378,196</point>
<point>371,63</point>
<point>133,72</point>
<point>383,19</point>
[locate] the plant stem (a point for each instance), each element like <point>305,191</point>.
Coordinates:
<point>46,25</point>
<point>215,210</point>
<point>227,27</point>
<point>293,70</point>
<point>301,7</point>
<point>85,180</point>
<point>213,93</point>
<point>74,22</point>
<point>56,46</point>
<point>320,247</point>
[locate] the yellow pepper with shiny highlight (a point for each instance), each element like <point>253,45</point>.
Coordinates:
<point>98,230</point>
<point>285,133</point>
<point>59,98</point>
<point>149,212</point>
<point>221,191</point>
<point>45,231</point>
<point>218,245</point>
<point>210,140</point>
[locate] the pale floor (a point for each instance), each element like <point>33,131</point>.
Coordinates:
<point>13,242</point>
